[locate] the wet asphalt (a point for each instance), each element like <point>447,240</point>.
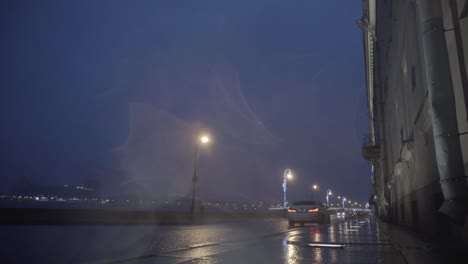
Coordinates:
<point>357,240</point>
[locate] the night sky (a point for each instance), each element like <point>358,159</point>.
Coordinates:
<point>114,91</point>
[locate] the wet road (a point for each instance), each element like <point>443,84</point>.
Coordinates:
<point>359,240</point>
<point>354,241</point>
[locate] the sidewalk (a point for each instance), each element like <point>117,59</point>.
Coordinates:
<point>414,248</point>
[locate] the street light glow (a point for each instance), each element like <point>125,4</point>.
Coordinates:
<point>339,197</point>
<point>204,139</point>
<point>289,176</point>
<point>329,193</point>
<point>315,186</point>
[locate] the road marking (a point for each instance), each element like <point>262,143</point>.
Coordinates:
<point>326,245</point>
<point>336,245</point>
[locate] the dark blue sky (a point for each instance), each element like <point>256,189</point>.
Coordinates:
<point>113,91</point>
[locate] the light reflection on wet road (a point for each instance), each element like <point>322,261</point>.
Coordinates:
<point>353,241</point>
<point>358,240</point>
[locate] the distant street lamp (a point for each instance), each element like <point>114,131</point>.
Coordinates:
<point>344,200</point>
<point>329,193</point>
<point>286,175</point>
<point>314,188</point>
<point>203,139</point>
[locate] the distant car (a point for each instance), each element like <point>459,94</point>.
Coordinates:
<point>341,214</point>
<point>350,215</point>
<point>307,212</point>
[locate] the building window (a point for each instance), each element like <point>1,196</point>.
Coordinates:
<point>413,78</point>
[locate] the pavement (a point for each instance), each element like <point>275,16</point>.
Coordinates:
<point>358,240</point>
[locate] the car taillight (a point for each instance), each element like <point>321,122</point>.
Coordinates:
<point>313,210</point>
<point>291,210</point>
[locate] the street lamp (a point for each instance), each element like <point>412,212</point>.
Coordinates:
<point>286,175</point>
<point>203,139</point>
<point>329,193</point>
<point>314,188</point>
<point>343,202</point>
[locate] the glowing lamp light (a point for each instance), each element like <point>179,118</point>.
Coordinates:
<point>205,139</point>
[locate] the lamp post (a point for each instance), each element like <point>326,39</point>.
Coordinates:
<point>329,193</point>
<point>314,188</point>
<point>286,175</point>
<point>203,139</point>
<point>344,200</point>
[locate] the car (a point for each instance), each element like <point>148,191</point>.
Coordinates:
<point>351,214</point>
<point>307,212</point>
<point>341,214</point>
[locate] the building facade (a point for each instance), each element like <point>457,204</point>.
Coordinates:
<point>416,55</point>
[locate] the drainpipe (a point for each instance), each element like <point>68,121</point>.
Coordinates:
<point>443,111</point>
